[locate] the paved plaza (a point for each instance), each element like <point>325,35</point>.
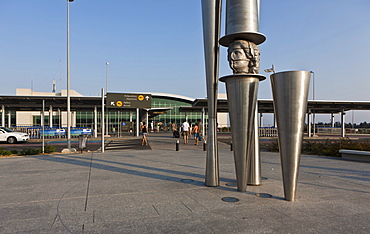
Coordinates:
<point>160,190</point>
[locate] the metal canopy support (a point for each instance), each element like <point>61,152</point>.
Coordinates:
<point>95,121</point>
<point>309,117</point>
<point>2,116</point>
<point>50,116</point>
<point>137,122</point>
<point>342,120</point>
<point>332,120</point>
<point>102,125</point>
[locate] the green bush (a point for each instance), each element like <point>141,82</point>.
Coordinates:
<point>50,148</point>
<point>5,152</point>
<point>30,151</point>
<point>327,147</point>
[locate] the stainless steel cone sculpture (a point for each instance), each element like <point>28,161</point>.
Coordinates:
<point>242,38</point>
<point>254,169</point>
<point>290,93</point>
<point>211,11</point>
<point>242,98</point>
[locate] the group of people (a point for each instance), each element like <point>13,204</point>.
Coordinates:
<point>187,130</point>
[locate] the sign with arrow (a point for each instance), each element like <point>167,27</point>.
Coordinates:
<point>128,100</point>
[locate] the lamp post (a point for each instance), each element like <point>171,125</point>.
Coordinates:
<point>106,91</point>
<point>313,99</point>
<point>68,83</point>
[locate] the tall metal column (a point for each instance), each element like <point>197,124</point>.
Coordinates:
<point>68,83</point>
<point>211,11</point>
<point>102,122</point>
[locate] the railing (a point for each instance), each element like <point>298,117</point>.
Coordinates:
<point>268,132</point>
<point>35,132</point>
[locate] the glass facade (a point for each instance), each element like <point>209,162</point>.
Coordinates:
<point>164,111</point>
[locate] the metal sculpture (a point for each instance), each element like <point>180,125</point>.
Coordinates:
<point>290,93</point>
<point>290,90</point>
<point>242,38</point>
<point>211,10</point>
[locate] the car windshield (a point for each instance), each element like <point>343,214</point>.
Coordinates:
<point>6,129</point>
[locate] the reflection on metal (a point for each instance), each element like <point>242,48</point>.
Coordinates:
<point>211,12</point>
<point>264,195</point>
<point>242,38</point>
<point>242,22</point>
<point>290,93</point>
<point>242,99</point>
<point>254,170</point>
<point>230,199</point>
<point>187,180</point>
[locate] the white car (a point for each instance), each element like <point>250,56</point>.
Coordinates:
<point>12,137</point>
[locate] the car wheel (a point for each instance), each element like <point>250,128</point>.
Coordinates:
<point>11,140</point>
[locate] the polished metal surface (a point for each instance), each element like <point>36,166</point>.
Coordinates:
<point>242,98</point>
<point>211,14</point>
<point>254,170</point>
<point>290,93</point>
<point>242,22</point>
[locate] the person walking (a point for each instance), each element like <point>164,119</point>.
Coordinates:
<point>196,133</point>
<point>185,127</point>
<point>200,131</point>
<point>144,132</point>
<point>174,130</point>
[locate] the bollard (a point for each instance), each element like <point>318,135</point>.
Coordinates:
<point>231,146</point>
<point>204,145</point>
<point>177,145</point>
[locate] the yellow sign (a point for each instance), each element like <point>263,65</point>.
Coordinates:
<point>140,97</point>
<point>119,103</point>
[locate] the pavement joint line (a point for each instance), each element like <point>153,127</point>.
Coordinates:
<point>89,179</point>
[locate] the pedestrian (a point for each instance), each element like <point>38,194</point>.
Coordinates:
<point>200,131</point>
<point>174,129</point>
<point>185,127</point>
<point>144,132</point>
<point>196,133</point>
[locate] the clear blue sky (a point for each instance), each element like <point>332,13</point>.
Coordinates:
<point>157,46</point>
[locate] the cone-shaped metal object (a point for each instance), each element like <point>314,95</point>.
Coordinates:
<point>290,93</point>
<point>211,12</point>
<point>242,99</point>
<point>254,170</point>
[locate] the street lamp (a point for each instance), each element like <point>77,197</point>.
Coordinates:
<point>272,69</point>
<point>106,92</point>
<point>313,99</point>
<point>68,83</point>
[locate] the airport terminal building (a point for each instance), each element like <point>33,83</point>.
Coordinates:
<point>27,109</point>
<point>31,110</point>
